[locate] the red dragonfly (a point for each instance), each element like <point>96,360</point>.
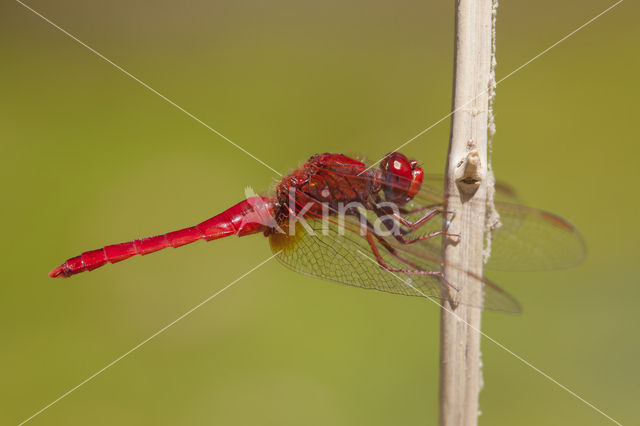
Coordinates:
<point>336,219</point>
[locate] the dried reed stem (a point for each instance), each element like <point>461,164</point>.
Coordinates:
<point>466,179</point>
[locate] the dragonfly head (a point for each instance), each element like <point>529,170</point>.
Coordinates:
<point>402,178</point>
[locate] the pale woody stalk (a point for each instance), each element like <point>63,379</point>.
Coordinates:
<point>466,181</point>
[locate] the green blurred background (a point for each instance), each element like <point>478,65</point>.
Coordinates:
<point>90,157</point>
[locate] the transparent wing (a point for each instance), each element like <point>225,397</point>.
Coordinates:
<point>529,239</point>
<point>341,254</point>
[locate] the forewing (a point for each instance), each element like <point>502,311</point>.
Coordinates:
<point>531,239</point>
<point>345,257</point>
<point>527,239</point>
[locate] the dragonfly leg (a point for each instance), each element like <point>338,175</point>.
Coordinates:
<point>402,240</point>
<point>378,199</point>
<point>384,213</point>
<point>416,271</point>
<point>428,216</point>
<point>387,213</point>
<point>418,223</point>
<point>420,209</point>
<point>403,211</point>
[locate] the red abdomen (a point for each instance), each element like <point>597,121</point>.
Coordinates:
<point>250,216</point>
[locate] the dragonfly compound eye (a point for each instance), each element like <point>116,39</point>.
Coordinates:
<point>403,178</point>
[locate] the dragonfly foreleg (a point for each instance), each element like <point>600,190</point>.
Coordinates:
<point>419,209</point>
<point>378,199</point>
<point>386,215</point>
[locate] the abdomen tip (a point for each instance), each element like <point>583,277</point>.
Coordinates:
<point>57,272</point>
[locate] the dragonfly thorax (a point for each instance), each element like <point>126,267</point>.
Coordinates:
<point>326,182</point>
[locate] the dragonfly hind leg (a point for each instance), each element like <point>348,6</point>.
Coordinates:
<point>416,269</point>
